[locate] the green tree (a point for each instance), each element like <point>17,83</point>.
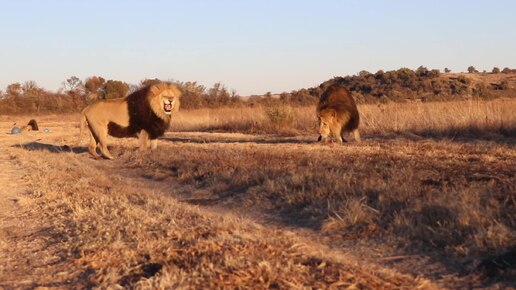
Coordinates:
<point>447,70</point>
<point>495,70</point>
<point>472,69</point>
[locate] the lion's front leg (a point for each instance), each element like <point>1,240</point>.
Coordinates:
<point>356,135</point>
<point>143,137</point>
<point>153,144</point>
<point>336,130</point>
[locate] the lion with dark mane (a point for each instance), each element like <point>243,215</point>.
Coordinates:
<point>31,126</point>
<point>337,114</point>
<point>145,114</point>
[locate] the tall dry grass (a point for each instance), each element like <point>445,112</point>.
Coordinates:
<point>259,119</point>
<point>441,118</point>
<point>447,119</point>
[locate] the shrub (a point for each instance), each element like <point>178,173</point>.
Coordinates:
<point>281,116</point>
<point>472,69</point>
<point>115,89</point>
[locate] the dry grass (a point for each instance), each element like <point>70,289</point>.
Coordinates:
<point>446,119</point>
<point>284,120</point>
<point>432,184</point>
<point>422,193</point>
<point>121,230</point>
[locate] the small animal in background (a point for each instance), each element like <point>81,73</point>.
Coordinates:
<point>31,126</point>
<point>337,114</point>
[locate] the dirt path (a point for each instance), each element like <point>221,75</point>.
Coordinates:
<point>12,217</point>
<point>29,252</point>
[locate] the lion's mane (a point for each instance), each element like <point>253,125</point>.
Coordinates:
<point>145,113</point>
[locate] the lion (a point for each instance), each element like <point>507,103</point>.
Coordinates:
<point>31,126</point>
<point>145,114</point>
<point>337,114</point>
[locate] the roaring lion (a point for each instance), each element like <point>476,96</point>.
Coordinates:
<point>144,114</point>
<point>337,114</point>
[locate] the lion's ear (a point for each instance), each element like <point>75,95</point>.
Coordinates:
<point>155,89</point>
<point>333,113</point>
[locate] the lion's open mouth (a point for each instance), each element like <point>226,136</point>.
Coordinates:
<point>167,106</point>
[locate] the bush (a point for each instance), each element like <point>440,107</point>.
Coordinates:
<point>281,116</point>
<point>115,89</point>
<point>472,69</point>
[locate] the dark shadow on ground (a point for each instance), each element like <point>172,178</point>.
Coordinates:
<point>506,136</point>
<point>452,135</point>
<point>258,140</point>
<point>468,134</point>
<point>38,146</point>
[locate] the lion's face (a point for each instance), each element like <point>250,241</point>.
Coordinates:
<point>164,99</point>
<point>168,104</point>
<point>325,119</point>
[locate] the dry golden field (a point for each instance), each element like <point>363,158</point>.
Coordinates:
<point>245,198</point>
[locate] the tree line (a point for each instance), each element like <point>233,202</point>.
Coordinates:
<point>422,84</point>
<point>399,85</point>
<point>75,94</point>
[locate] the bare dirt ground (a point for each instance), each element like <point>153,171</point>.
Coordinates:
<point>58,233</point>
<point>29,257</point>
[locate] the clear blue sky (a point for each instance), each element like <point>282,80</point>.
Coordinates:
<point>250,46</point>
